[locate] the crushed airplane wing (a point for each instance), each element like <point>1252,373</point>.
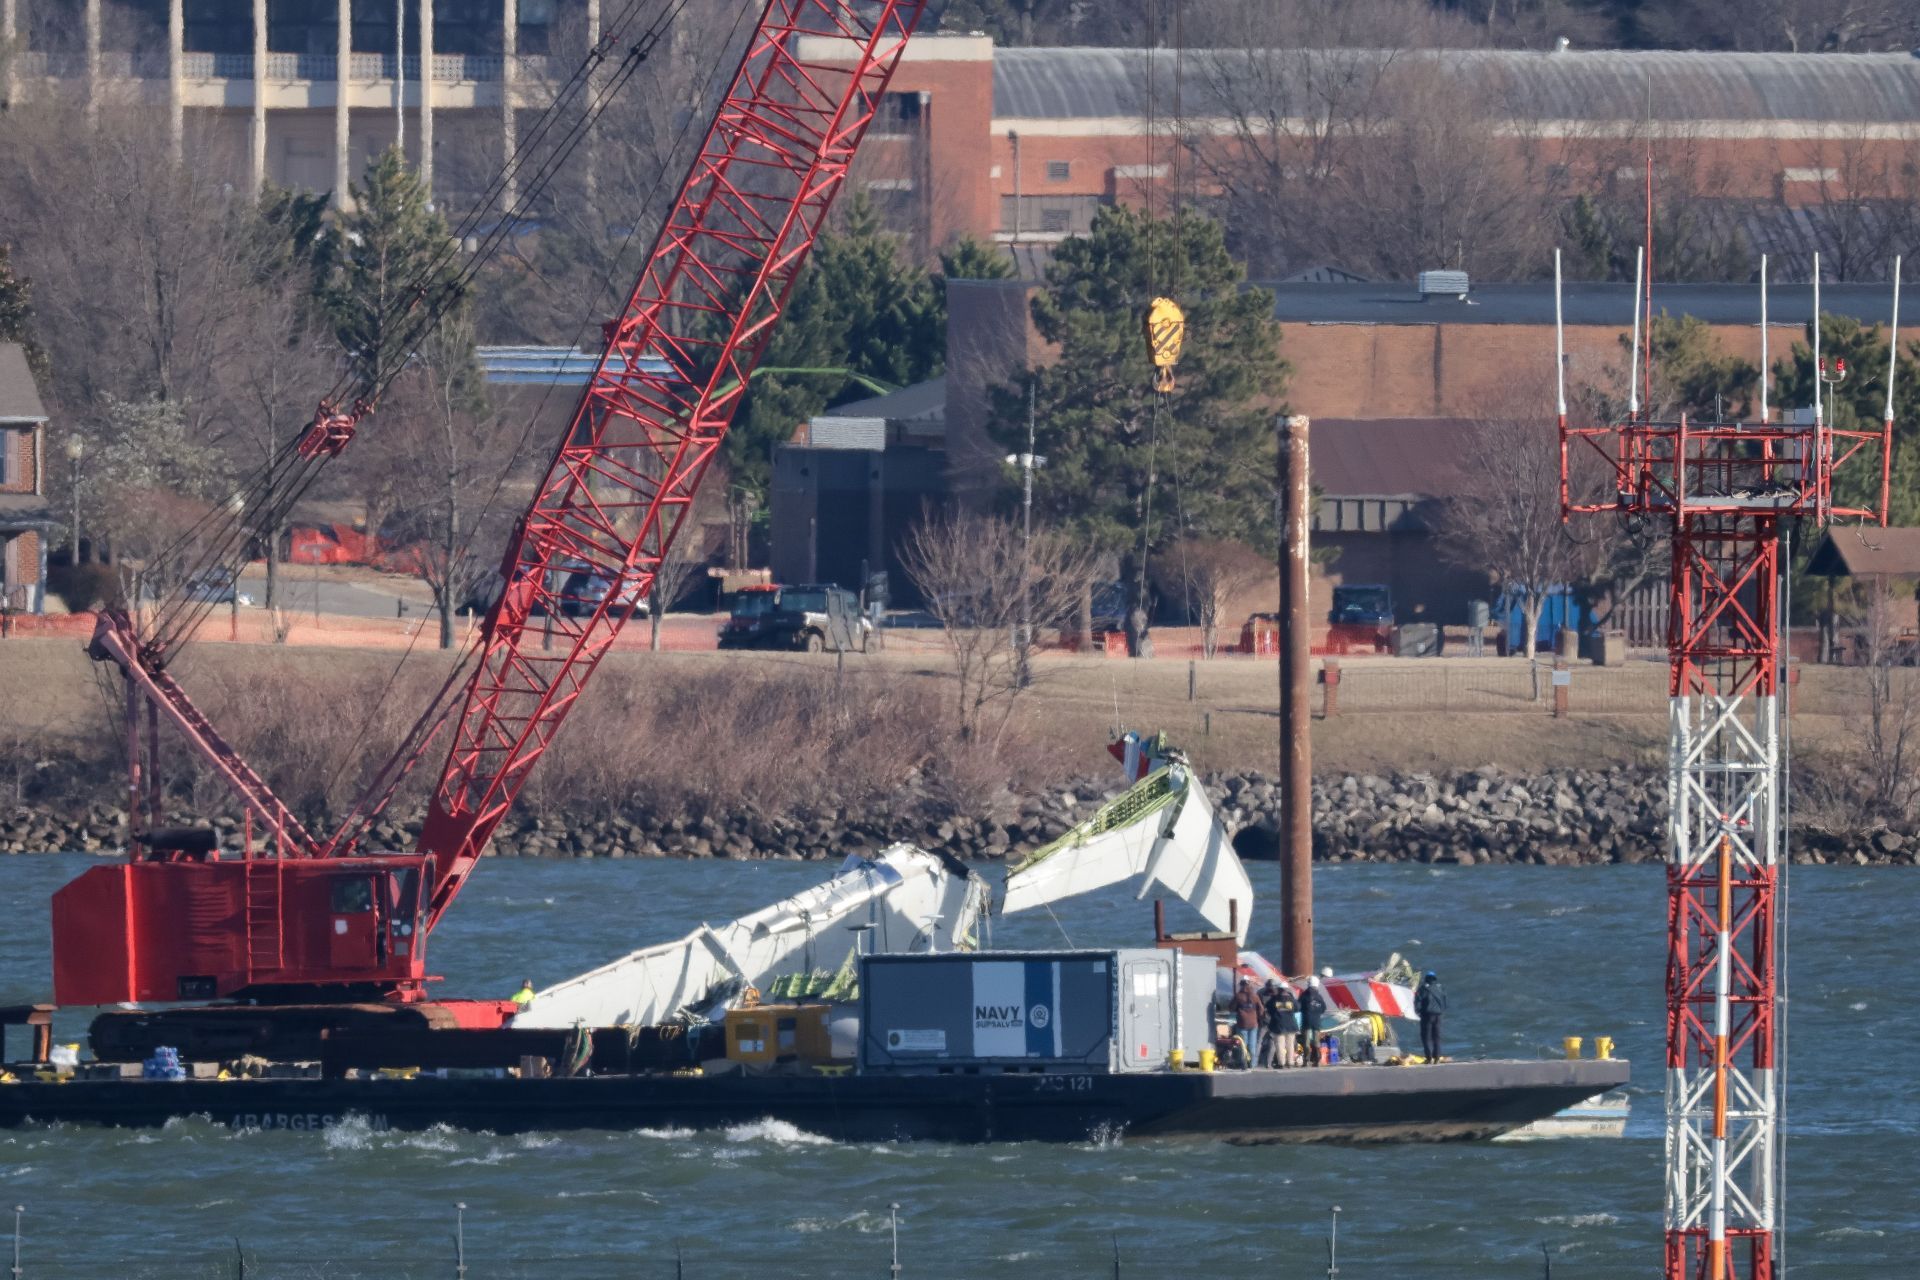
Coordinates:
<point>912,901</point>
<point>1164,830</point>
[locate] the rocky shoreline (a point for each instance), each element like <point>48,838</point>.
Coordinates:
<point>1471,816</point>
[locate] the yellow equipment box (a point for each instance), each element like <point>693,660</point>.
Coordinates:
<point>771,1033</point>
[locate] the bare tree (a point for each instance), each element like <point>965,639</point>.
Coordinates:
<point>1207,573</point>
<point>439,465</point>
<point>1379,156</point>
<point>684,559</point>
<point>1503,517</point>
<point>983,581</point>
<point>268,388</point>
<point>1794,26</point>
<point>1890,740</point>
<point>1867,203</point>
<point>147,271</point>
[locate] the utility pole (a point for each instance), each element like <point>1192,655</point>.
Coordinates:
<point>1296,713</point>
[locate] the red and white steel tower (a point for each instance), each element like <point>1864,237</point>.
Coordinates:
<point>1729,496</point>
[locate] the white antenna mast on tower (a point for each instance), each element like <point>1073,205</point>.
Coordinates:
<point>1766,370</point>
<point>1893,339</point>
<point>1633,368</point>
<point>1560,344</point>
<point>1819,370</point>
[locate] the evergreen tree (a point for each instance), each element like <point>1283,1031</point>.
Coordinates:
<point>858,307</point>
<point>1123,471</point>
<point>971,259</point>
<point>1690,374</point>
<point>301,244</point>
<point>1859,402</point>
<point>395,271</point>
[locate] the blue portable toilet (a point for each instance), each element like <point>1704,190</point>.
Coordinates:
<point>1560,609</point>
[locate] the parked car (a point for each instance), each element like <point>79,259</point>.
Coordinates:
<point>812,617</point>
<point>584,591</point>
<point>216,586</point>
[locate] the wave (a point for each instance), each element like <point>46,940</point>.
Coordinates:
<point>781,1132</point>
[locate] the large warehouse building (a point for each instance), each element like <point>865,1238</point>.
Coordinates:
<point>1021,145</point>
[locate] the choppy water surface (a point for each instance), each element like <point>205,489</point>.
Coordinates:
<point>1529,954</point>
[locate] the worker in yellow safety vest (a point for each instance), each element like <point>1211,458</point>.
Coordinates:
<point>523,997</point>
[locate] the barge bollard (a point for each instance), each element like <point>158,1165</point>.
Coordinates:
<point>1572,1046</point>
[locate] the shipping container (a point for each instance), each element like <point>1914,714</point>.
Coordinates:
<point>1084,1011</point>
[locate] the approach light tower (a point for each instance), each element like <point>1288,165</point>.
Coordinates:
<point>1729,496</point>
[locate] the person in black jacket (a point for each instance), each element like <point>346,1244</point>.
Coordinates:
<point>1313,1005</point>
<point>1283,1024</point>
<point>1430,1002</point>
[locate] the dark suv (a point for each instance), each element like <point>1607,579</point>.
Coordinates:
<point>813,618</point>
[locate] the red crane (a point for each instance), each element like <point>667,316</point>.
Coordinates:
<point>302,918</point>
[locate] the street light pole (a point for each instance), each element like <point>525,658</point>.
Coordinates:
<point>76,448</point>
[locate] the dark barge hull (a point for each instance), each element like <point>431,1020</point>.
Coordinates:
<point>1448,1102</point>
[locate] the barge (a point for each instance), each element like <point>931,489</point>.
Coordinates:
<point>1449,1101</point>
<point>862,1009</point>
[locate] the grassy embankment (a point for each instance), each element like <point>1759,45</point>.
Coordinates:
<point>774,731</point>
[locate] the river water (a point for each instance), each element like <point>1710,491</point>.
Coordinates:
<point>1529,954</point>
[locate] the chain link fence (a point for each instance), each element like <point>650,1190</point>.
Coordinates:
<point>1513,686</point>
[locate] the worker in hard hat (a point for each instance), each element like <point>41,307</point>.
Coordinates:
<point>1313,1007</point>
<point>523,998</point>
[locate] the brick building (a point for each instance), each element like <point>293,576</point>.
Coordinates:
<point>1390,377</point>
<point>1021,145</point>
<point>26,519</point>
<point>1024,145</point>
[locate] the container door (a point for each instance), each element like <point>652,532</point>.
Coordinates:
<point>1146,1002</point>
<point>353,942</point>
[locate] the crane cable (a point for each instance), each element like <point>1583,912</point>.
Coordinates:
<point>530,141</point>
<point>412,747</point>
<point>176,623</point>
<point>1137,636</point>
<point>266,494</point>
<point>277,494</point>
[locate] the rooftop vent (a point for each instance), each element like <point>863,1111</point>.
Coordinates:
<point>1434,284</point>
